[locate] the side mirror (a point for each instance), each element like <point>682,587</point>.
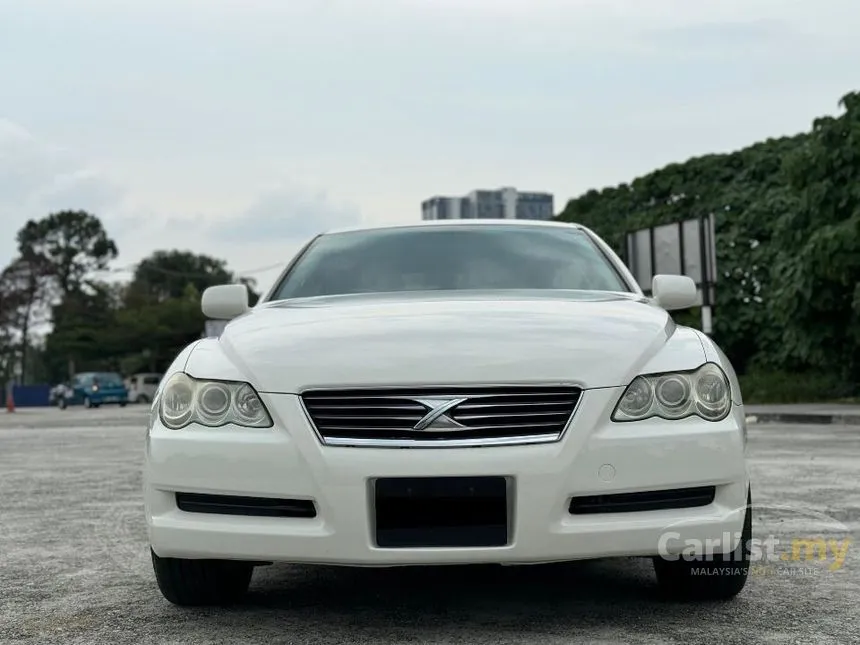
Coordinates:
<point>673,292</point>
<point>224,302</point>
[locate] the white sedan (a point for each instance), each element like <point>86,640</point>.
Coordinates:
<point>449,393</point>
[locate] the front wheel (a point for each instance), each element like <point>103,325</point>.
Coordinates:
<point>194,583</point>
<point>716,577</point>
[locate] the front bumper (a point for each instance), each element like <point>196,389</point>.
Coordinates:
<point>593,457</point>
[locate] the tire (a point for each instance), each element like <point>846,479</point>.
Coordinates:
<point>719,577</point>
<point>122,404</point>
<point>142,398</point>
<point>197,583</point>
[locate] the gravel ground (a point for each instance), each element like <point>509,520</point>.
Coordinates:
<point>74,564</point>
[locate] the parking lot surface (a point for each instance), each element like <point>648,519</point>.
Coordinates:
<point>74,562</point>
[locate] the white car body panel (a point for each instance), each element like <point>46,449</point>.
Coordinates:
<point>283,349</point>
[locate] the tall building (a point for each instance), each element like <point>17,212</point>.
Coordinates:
<point>505,203</point>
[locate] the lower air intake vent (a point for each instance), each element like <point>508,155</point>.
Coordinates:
<point>249,506</point>
<point>646,501</point>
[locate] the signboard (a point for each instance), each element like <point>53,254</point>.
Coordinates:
<point>214,328</point>
<point>681,248</point>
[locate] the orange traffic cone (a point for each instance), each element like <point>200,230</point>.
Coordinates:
<point>10,401</point>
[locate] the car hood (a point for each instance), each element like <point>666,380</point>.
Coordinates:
<point>590,341</point>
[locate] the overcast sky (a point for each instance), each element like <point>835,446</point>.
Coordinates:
<point>239,128</point>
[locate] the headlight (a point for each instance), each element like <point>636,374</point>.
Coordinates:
<point>704,392</point>
<point>187,400</point>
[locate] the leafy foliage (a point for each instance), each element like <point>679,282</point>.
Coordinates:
<point>69,244</point>
<point>818,256</point>
<point>83,331</point>
<point>23,295</point>
<point>138,326</point>
<point>784,387</point>
<point>787,215</point>
<point>167,274</point>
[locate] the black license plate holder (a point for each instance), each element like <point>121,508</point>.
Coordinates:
<point>441,512</point>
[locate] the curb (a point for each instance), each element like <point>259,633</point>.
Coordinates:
<point>794,418</point>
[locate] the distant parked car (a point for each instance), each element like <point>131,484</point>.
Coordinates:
<point>142,387</point>
<point>93,389</point>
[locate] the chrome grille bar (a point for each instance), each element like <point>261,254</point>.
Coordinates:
<point>486,415</point>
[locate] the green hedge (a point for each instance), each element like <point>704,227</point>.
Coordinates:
<point>783,387</point>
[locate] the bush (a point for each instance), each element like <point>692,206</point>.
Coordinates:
<point>785,387</point>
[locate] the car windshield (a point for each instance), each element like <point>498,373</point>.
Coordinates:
<point>450,258</point>
<point>108,379</point>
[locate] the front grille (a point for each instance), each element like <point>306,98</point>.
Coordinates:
<point>501,415</point>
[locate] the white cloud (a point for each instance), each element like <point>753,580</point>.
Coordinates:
<point>261,238</point>
<point>286,212</point>
<point>178,110</point>
<point>37,178</point>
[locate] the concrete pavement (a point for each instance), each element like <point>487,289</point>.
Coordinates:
<point>75,417</point>
<point>75,570</point>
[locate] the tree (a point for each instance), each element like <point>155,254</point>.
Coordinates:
<point>817,262</point>
<point>168,274</point>
<point>788,242</point>
<point>69,244</point>
<point>85,334</point>
<point>155,331</point>
<point>746,192</point>
<point>9,326</point>
<point>25,295</point>
<point>140,325</point>
<point>251,285</point>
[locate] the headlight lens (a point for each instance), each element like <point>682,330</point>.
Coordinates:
<point>187,400</point>
<point>704,392</point>
<point>638,399</point>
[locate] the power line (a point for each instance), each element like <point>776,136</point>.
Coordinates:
<point>131,268</point>
<point>268,267</point>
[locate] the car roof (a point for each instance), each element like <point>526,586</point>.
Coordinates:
<point>448,223</point>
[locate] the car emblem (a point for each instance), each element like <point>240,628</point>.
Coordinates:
<point>437,417</point>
